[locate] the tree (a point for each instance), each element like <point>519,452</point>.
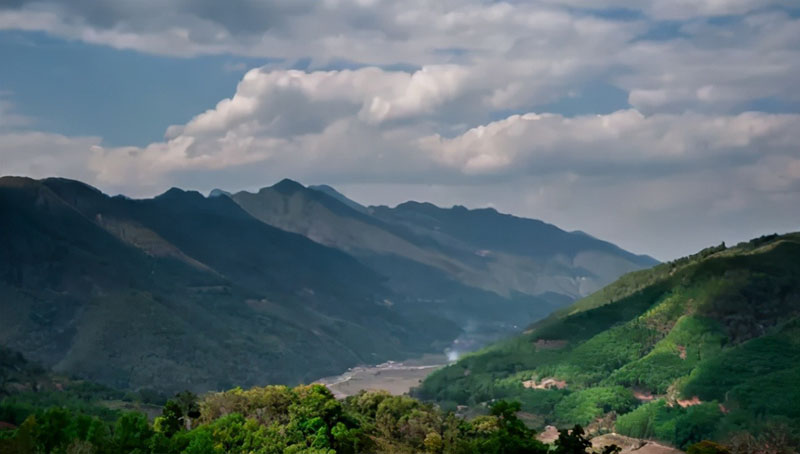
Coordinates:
<point>54,429</point>
<point>574,442</point>
<point>512,437</point>
<point>171,420</point>
<point>433,443</point>
<point>190,410</point>
<point>132,433</point>
<point>201,443</point>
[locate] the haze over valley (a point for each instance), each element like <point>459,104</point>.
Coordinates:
<point>286,285</point>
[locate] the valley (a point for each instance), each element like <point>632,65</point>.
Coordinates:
<point>395,377</point>
<point>404,319</point>
<point>280,286</point>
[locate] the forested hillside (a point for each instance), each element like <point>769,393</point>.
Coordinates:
<point>186,292</point>
<point>702,347</point>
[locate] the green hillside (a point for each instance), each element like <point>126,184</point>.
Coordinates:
<point>691,349</point>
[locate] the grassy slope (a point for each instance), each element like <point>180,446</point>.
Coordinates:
<point>720,325</point>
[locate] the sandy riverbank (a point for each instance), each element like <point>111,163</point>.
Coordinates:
<point>395,377</point>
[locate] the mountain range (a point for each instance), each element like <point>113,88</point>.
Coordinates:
<point>285,285</point>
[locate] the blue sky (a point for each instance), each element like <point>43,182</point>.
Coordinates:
<point>127,97</point>
<point>663,126</point>
<point>124,96</point>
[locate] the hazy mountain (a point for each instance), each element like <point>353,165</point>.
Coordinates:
<point>517,254</point>
<point>691,349</point>
<point>285,285</point>
<point>483,269</point>
<point>183,291</point>
<point>324,188</point>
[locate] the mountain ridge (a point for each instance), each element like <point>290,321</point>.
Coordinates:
<point>106,278</point>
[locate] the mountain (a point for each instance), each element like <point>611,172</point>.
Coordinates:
<point>324,188</point>
<point>186,292</point>
<point>282,286</point>
<point>696,348</point>
<point>486,271</point>
<point>513,254</point>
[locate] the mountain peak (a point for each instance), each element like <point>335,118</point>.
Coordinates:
<point>178,193</point>
<point>287,186</point>
<point>171,192</point>
<point>413,204</point>
<point>218,193</point>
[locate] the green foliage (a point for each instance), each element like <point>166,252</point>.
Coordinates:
<point>697,423</point>
<point>585,406</point>
<point>171,419</point>
<point>279,420</point>
<point>690,341</point>
<point>719,329</point>
<point>132,433</point>
<point>680,426</point>
<point>640,423</point>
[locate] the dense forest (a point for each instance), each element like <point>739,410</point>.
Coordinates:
<point>304,419</point>
<point>705,347</point>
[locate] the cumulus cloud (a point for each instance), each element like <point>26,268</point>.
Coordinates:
<point>375,124</point>
<point>465,122</point>
<point>378,129</point>
<point>623,141</point>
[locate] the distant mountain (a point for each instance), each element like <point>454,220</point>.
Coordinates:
<point>183,291</point>
<point>480,268</point>
<point>516,254</point>
<point>285,285</point>
<point>324,188</point>
<point>696,348</point>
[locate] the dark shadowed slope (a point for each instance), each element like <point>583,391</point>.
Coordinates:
<point>181,291</point>
<point>324,188</point>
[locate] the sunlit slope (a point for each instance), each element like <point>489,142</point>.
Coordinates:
<point>716,333</point>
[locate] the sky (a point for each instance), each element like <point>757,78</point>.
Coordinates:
<point>664,126</point>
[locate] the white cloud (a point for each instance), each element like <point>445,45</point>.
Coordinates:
<point>716,67</point>
<point>686,154</point>
<point>515,55</point>
<point>536,144</point>
<point>38,154</point>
